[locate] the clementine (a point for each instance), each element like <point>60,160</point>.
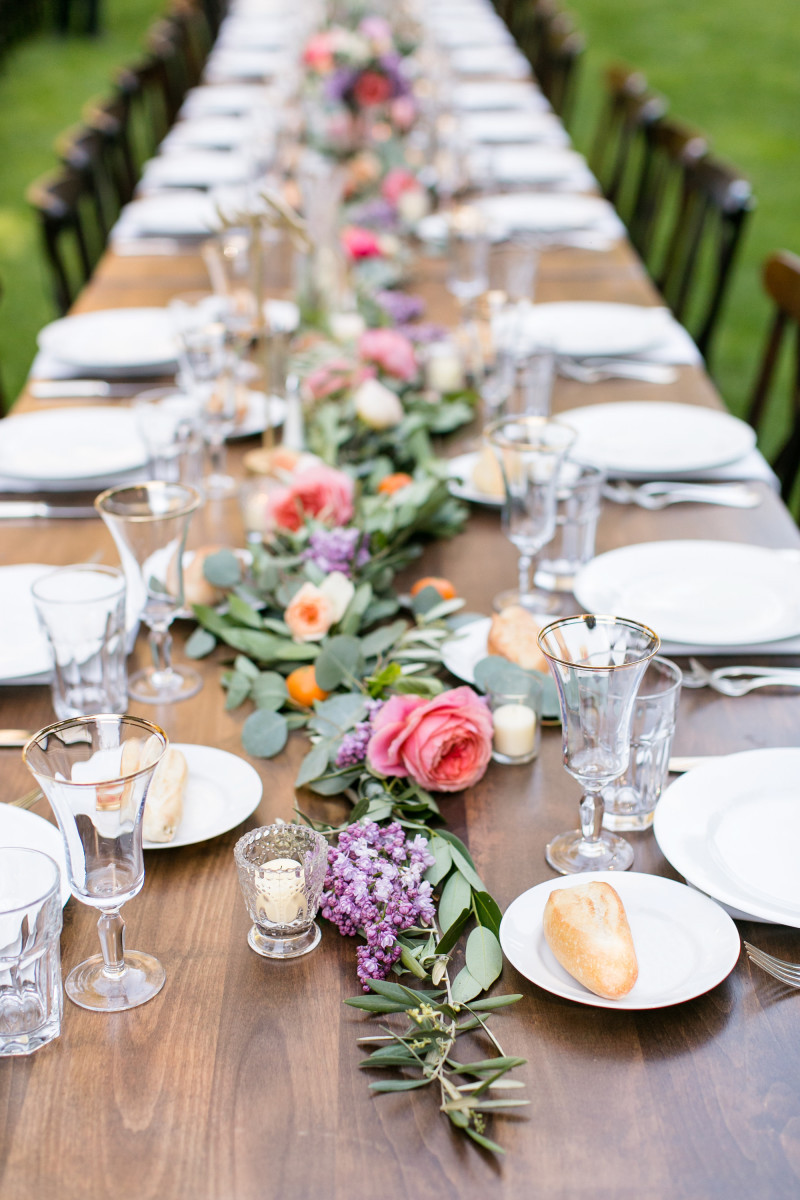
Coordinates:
<point>443,586</point>
<point>393,483</point>
<point>301,684</point>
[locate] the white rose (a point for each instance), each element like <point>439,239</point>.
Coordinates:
<point>413,205</point>
<point>377,406</point>
<point>338,590</point>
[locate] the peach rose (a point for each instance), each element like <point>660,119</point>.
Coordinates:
<point>320,492</point>
<point>444,744</point>
<point>309,615</point>
<point>393,352</point>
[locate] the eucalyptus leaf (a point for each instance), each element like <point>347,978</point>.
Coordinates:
<point>449,939</point>
<point>382,639</point>
<point>241,611</point>
<point>484,958</point>
<point>266,647</point>
<point>464,986</point>
<point>238,690</point>
<point>440,850</point>
<point>264,733</point>
<point>410,963</point>
<point>332,785</point>
<point>338,714</point>
<point>314,764</point>
<point>245,667</point>
<point>379,810</point>
<point>456,898</point>
<point>359,809</point>
<point>467,869</point>
<point>199,644</point>
<point>222,569</point>
<point>487,911</point>
<point>340,661</point>
<point>493,1002</point>
<point>425,600</point>
<point>269,690</point>
<point>419,685</point>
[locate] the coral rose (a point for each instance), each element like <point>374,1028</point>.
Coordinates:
<point>389,350</point>
<point>320,492</point>
<point>371,88</point>
<point>444,744</point>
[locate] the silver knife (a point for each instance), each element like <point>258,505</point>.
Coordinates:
<point>86,389</point>
<point>22,510</point>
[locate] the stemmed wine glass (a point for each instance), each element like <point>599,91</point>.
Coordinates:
<point>96,771</point>
<point>149,522</point>
<point>598,663</point>
<point>530,451</point>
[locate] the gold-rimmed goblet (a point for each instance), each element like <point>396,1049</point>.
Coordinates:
<point>96,771</point>
<point>598,663</point>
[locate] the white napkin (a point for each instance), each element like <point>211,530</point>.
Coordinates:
<point>183,213</point>
<point>196,169</point>
<point>554,217</point>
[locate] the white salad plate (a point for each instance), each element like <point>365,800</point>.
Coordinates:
<point>24,650</point>
<point>685,943</point>
<point>462,652</point>
<point>697,592</point>
<point>18,827</point>
<point>229,64</point>
<point>222,791</point>
<point>656,438</point>
<point>543,212</point>
<point>70,444</point>
<point>727,826</point>
<point>113,339</point>
<point>460,469</point>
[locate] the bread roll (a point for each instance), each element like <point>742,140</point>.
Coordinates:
<point>586,928</point>
<point>164,807</point>
<point>487,475</point>
<point>513,635</point>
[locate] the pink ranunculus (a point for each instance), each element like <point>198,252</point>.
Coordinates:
<point>320,492</point>
<point>390,350</point>
<point>370,89</point>
<point>397,181</point>
<point>444,744</point>
<point>403,112</point>
<point>360,243</point>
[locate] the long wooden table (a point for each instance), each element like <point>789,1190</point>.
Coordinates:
<point>240,1080</point>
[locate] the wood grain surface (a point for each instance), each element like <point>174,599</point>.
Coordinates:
<point>240,1081</point>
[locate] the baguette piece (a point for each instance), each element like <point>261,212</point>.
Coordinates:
<point>587,929</point>
<point>513,635</point>
<point>164,807</point>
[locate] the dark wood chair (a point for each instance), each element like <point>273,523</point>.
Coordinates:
<point>559,58</point>
<point>147,88</point>
<point>781,279</point>
<point>617,152</point>
<point>670,148</point>
<point>71,242</point>
<point>110,119</point>
<point>83,150</point>
<point>701,247</point>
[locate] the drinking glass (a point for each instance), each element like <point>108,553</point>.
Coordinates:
<point>579,496</point>
<point>96,771</point>
<point>82,612</point>
<point>149,522</point>
<point>530,451</point>
<point>598,663</point>
<point>30,959</point>
<point>468,270</point>
<point>169,423</point>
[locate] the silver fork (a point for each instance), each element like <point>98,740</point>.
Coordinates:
<point>738,681</point>
<point>597,370</point>
<point>786,972</point>
<point>657,495</point>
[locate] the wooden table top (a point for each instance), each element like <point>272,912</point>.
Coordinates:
<point>241,1079</point>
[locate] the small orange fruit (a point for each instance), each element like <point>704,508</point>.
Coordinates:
<point>302,686</point>
<point>443,586</point>
<point>393,483</point>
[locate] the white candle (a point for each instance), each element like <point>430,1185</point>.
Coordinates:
<point>281,896</point>
<point>514,730</point>
<point>346,326</point>
<point>444,372</point>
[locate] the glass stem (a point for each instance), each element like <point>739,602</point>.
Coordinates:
<point>111,930</point>
<point>592,809</point>
<point>524,569</point>
<point>161,653</point>
<point>216,453</point>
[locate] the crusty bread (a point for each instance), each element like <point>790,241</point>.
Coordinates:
<point>586,928</point>
<point>487,476</point>
<point>513,635</point>
<point>164,807</point>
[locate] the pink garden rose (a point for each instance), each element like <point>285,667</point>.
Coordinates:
<point>444,744</point>
<point>335,375</point>
<point>389,350</point>
<point>371,88</point>
<point>403,112</point>
<point>397,181</point>
<point>318,53</point>
<point>361,243</point>
<point>320,492</point>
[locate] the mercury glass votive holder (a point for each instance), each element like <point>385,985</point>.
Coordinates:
<point>282,871</point>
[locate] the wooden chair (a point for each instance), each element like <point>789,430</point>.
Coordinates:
<point>147,88</point>
<point>715,203</point>
<point>83,150</point>
<point>781,279</point>
<point>110,118</point>
<point>559,57</point>
<point>670,148</point>
<point>617,151</point>
<point>71,245</point>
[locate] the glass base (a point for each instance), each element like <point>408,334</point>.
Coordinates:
<point>535,601</point>
<point>291,946</point>
<point>511,760</point>
<point>570,853</point>
<point>181,683</point>
<point>219,487</point>
<point>90,987</point>
<point>24,1024</point>
<point>628,822</point>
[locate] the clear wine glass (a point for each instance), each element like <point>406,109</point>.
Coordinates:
<point>530,451</point>
<point>96,771</point>
<point>149,522</point>
<point>598,663</point>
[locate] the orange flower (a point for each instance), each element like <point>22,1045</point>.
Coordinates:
<point>309,615</point>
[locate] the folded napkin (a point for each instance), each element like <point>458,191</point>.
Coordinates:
<point>552,216</point>
<point>253,33</point>
<point>196,169</point>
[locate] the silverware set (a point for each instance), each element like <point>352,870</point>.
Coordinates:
<point>596,370</point>
<point>778,968</point>
<point>739,680</point>
<point>659,494</point>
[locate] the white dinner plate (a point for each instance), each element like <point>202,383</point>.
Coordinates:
<point>460,469</point>
<point>233,99</point>
<point>539,164</point>
<point>113,339</point>
<point>171,214</point>
<point>70,444</point>
<point>514,126</point>
<point>685,943</point>
<point>221,792</point>
<point>728,827</point>
<point>23,647</point>
<point>18,827</point>
<point>697,592</point>
<point>230,64</point>
<point>504,61</point>
<point>254,418</point>
<point>584,328</point>
<point>196,169</point>
<point>658,439</point>
<point>214,133</point>
<point>495,95</point>
<point>543,212</point>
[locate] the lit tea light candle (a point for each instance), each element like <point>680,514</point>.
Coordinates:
<point>444,371</point>
<point>346,326</point>
<point>514,730</point>
<point>281,891</point>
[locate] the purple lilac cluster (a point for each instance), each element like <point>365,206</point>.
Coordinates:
<point>423,333</point>
<point>400,307</point>
<point>374,214</point>
<point>353,749</point>
<point>374,886</point>
<point>338,550</point>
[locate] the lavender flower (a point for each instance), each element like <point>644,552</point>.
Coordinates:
<point>374,214</point>
<point>338,549</point>
<point>424,333</point>
<point>339,83</point>
<point>400,307</point>
<point>353,749</point>
<point>374,887</point>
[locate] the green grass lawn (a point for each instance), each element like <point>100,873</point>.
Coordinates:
<point>733,71</point>
<point>44,83</point>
